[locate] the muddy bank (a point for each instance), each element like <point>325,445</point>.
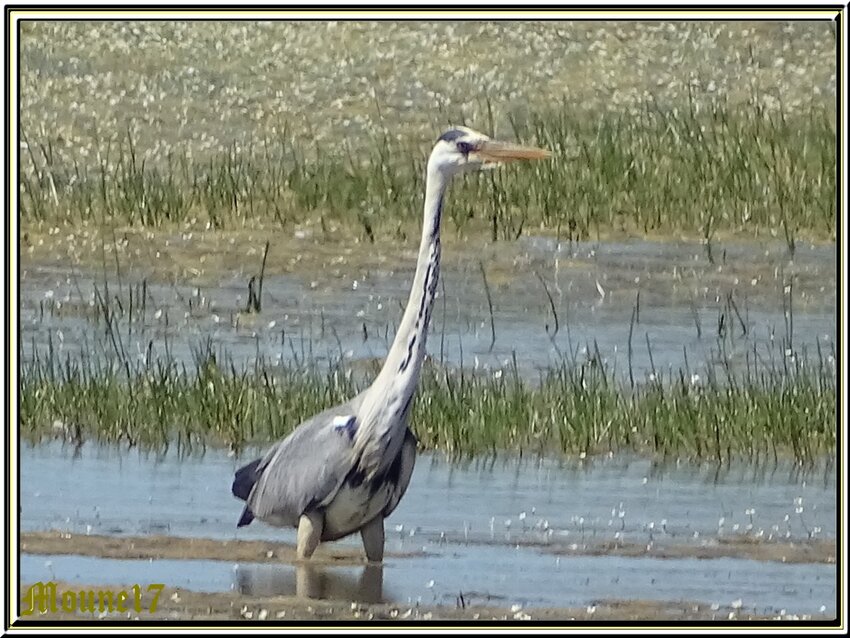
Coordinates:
<point>329,264</point>
<point>171,547</point>
<point>812,551</point>
<point>183,604</point>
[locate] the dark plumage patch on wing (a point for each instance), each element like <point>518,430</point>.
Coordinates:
<point>346,425</point>
<point>246,518</point>
<point>356,477</point>
<point>392,476</point>
<point>451,135</point>
<point>244,480</point>
<point>395,470</point>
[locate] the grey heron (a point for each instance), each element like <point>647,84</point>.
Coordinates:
<point>345,469</point>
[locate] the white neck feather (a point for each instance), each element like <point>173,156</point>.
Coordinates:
<point>391,394</point>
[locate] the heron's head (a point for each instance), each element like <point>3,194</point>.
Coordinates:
<point>462,149</point>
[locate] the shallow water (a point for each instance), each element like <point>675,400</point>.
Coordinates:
<point>472,520</point>
<point>530,580</point>
<point>684,299</point>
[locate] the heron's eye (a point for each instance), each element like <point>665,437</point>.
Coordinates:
<point>465,147</point>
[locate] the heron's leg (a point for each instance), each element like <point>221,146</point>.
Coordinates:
<point>309,534</point>
<point>372,534</point>
<point>308,581</point>
<point>372,583</point>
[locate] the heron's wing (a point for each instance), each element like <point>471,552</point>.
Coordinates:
<point>403,468</point>
<point>306,469</point>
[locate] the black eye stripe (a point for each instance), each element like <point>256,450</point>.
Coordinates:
<point>465,147</point>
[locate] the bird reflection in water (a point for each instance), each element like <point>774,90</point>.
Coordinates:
<point>357,584</point>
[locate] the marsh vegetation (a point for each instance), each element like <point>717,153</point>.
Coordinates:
<point>705,130</point>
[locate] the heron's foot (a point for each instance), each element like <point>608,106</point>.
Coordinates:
<point>372,534</point>
<point>310,527</point>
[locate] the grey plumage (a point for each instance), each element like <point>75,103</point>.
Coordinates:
<point>307,469</point>
<point>347,468</point>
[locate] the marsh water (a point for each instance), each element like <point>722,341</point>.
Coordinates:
<point>645,306</point>
<point>505,532</point>
<point>499,531</point>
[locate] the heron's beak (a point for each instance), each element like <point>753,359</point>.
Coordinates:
<point>492,151</point>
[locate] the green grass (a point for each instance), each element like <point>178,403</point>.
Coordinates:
<point>774,408</point>
<point>698,172</point>
<point>242,125</point>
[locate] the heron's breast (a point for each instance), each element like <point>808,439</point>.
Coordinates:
<point>354,506</point>
<point>362,496</point>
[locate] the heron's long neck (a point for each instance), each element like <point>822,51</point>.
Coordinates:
<point>400,374</point>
